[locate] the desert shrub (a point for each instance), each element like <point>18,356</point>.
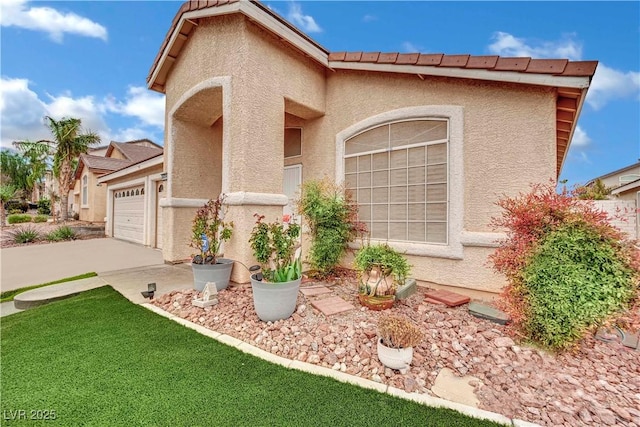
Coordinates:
<point>40,218</point>
<point>331,215</point>
<point>61,233</point>
<point>15,212</point>
<point>44,207</point>
<point>534,222</point>
<point>574,280</point>
<point>18,218</point>
<point>24,234</point>
<point>16,205</point>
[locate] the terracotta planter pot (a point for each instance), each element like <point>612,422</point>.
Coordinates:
<point>377,303</point>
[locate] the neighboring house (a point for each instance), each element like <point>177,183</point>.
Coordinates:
<point>132,201</point>
<point>426,142</point>
<point>90,195</point>
<point>620,178</point>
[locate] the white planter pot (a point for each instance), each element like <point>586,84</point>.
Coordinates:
<point>394,358</point>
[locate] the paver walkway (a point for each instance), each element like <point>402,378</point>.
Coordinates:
<point>323,299</point>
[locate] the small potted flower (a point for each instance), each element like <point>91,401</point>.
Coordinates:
<point>276,247</point>
<point>396,338</point>
<point>208,231</point>
<point>381,269</point>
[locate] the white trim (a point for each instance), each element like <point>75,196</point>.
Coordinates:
<point>464,73</point>
<point>181,202</point>
<point>225,83</point>
<point>626,187</point>
<point>155,161</point>
<point>240,198</point>
<point>133,183</point>
<point>84,190</point>
<point>481,239</point>
<point>454,249</point>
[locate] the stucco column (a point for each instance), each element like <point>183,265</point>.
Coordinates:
<point>253,153</point>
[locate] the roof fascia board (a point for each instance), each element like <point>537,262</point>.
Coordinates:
<point>500,76</point>
<point>154,161</point>
<point>272,24</point>
<point>630,186</point>
<point>573,128</point>
<point>252,12</point>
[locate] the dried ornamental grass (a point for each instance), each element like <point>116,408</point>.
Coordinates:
<point>398,332</point>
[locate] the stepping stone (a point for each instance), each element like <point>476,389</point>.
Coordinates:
<point>451,387</point>
<point>405,291</point>
<point>433,301</point>
<point>487,312</point>
<point>631,340</point>
<point>332,305</point>
<point>312,291</point>
<point>452,299</point>
<point>609,335</point>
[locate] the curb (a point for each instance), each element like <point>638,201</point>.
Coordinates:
<point>423,399</point>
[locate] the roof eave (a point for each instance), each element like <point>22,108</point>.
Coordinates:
<point>144,164</point>
<point>257,14</point>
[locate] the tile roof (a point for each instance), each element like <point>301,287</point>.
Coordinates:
<point>135,152</point>
<point>556,67</point>
<point>572,78</point>
<point>103,163</point>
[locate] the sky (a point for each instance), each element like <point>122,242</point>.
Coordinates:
<point>90,59</point>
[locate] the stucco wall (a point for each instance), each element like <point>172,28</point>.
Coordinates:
<point>622,213</point>
<point>509,138</point>
<point>96,209</point>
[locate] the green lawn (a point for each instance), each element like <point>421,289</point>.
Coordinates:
<point>98,360</point>
<point>8,295</point>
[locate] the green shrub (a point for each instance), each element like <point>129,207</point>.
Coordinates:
<point>61,233</point>
<point>16,205</point>
<point>44,207</point>
<point>15,212</point>
<point>331,216</point>
<point>24,234</point>
<point>18,218</point>
<point>40,218</point>
<point>568,269</point>
<point>575,280</point>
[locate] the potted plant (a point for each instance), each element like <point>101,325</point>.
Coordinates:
<point>208,231</point>
<point>381,269</point>
<point>396,338</point>
<point>275,289</point>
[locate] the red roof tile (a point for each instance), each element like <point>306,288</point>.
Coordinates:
<point>370,57</point>
<point>407,58</point>
<point>454,61</point>
<point>388,58</point>
<point>429,59</point>
<point>512,64</point>
<point>353,57</point>
<point>547,66</point>
<point>482,62</point>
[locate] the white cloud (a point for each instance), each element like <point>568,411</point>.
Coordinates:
<point>141,103</point>
<point>580,138</point>
<point>608,84</point>
<point>306,22</point>
<point>506,44</point>
<point>369,18</point>
<point>18,13</point>
<point>408,47</point>
<point>22,112</point>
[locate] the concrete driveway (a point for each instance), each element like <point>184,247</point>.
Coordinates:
<point>36,264</point>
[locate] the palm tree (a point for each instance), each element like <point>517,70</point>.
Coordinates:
<point>7,192</point>
<point>68,143</point>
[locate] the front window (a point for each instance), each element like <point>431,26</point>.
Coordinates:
<point>398,174</point>
<point>85,190</point>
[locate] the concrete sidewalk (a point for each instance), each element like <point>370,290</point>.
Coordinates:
<point>37,264</point>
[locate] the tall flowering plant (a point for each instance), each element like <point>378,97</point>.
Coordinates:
<point>275,245</point>
<point>209,230</point>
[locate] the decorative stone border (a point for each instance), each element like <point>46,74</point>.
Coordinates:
<point>423,399</point>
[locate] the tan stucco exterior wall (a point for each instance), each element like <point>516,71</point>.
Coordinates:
<point>508,135</point>
<point>96,209</point>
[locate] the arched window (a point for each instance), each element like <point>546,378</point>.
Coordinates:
<point>137,191</point>
<point>160,188</point>
<point>142,192</point>
<point>127,193</point>
<point>398,174</point>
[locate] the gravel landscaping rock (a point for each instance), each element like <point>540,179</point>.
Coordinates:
<point>597,384</point>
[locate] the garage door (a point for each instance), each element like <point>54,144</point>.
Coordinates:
<point>128,214</point>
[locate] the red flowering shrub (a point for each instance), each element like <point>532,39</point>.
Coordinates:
<point>534,219</point>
